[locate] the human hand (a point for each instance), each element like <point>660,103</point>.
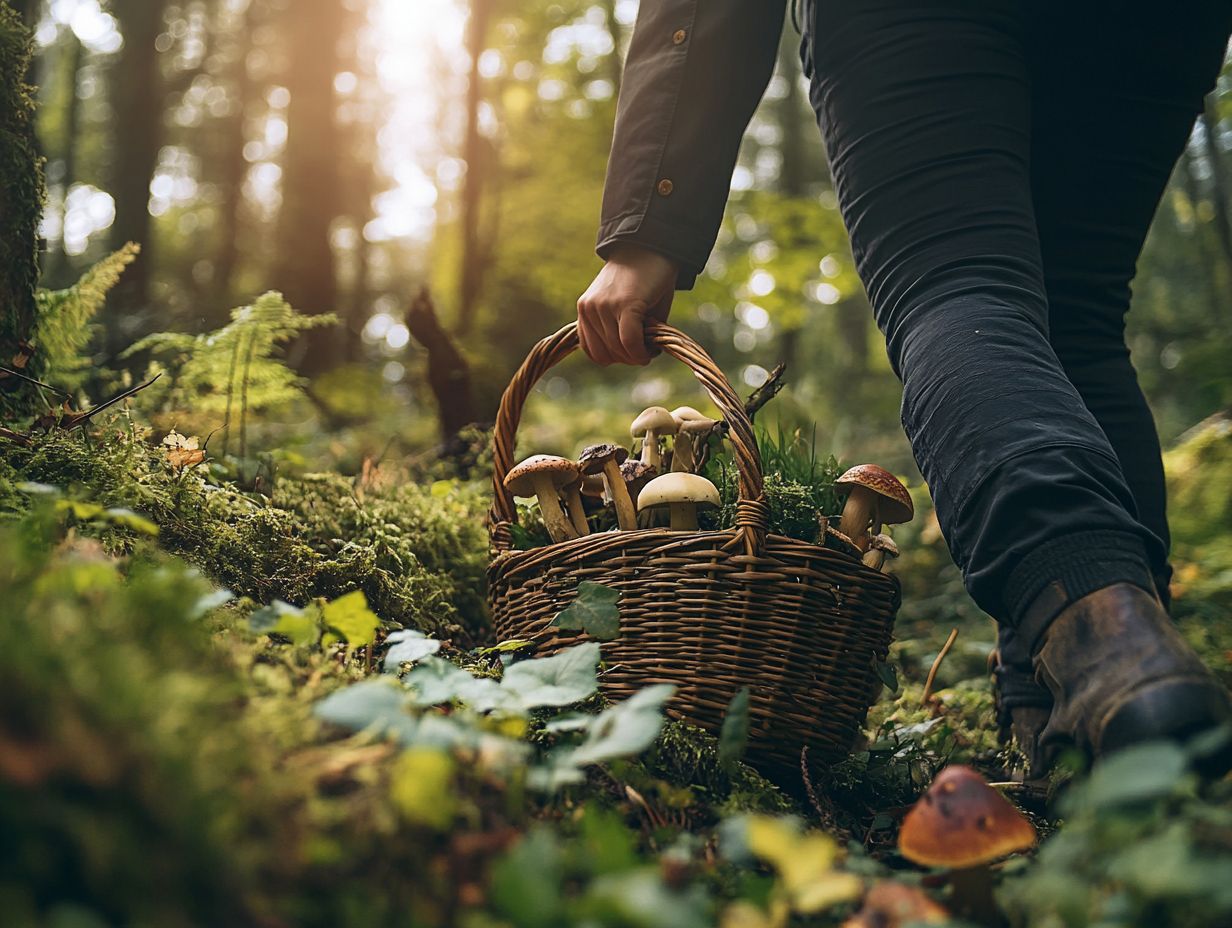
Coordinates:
<point>635,285</point>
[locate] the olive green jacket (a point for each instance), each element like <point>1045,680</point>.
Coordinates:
<point>695,73</point>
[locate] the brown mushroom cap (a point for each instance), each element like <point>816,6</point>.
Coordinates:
<point>962,822</point>
<point>883,542</point>
<point>520,480</point>
<point>893,905</point>
<point>896,505</point>
<point>592,459</point>
<point>837,540</point>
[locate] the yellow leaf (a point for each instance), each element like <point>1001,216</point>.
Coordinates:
<point>805,864</point>
<point>350,616</point>
<point>420,787</point>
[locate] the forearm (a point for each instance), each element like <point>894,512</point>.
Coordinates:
<point>695,73</point>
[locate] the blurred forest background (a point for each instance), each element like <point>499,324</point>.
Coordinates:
<point>352,153</point>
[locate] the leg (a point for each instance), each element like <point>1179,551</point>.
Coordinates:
<point>925,108</point>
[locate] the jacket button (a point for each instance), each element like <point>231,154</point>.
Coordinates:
<point>679,36</point>
<point>665,187</point>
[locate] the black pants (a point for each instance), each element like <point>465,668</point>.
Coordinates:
<point>998,163</point>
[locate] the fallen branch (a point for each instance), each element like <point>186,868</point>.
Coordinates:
<point>932,673</point>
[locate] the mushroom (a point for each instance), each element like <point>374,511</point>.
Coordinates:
<point>574,506</point>
<point>683,495</point>
<point>592,490</point>
<point>636,475</point>
<point>653,422</point>
<point>606,460</point>
<point>835,539</point>
<point>880,547</point>
<point>541,476</point>
<point>896,905</point>
<point>875,497</point>
<point>689,424</point>
<point>963,824</point>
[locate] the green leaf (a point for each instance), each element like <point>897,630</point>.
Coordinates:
<point>626,729</point>
<point>560,680</point>
<point>887,675</point>
<point>435,680</point>
<point>279,618</point>
<point>377,703</point>
<point>350,616</point>
<point>1136,774</point>
<point>734,736</point>
<point>131,521</point>
<point>594,612</point>
<point>406,647</point>
<point>527,882</point>
<point>420,787</point>
<point>640,897</point>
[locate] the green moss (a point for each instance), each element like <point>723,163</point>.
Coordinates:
<point>418,554</point>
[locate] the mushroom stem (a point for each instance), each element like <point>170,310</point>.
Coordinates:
<point>626,515</point>
<point>874,558</point>
<point>972,895</point>
<point>558,525</point>
<point>650,449</point>
<point>577,511</point>
<point>684,517</point>
<point>859,510</point>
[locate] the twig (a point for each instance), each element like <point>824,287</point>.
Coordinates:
<point>9,372</point>
<point>932,673</point>
<point>766,392</point>
<point>809,789</point>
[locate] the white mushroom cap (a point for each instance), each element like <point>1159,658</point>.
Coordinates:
<point>679,488</point>
<point>686,414</point>
<point>653,419</point>
<point>520,481</point>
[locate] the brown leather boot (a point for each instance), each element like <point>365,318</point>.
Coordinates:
<point>1120,674</point>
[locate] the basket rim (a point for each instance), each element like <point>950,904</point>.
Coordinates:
<point>508,561</point>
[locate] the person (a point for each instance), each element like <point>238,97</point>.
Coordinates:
<point>997,164</point>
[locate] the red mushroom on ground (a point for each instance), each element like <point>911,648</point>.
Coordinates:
<point>963,825</point>
<point>874,497</point>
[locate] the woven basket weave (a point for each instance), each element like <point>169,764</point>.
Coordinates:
<point>711,611</point>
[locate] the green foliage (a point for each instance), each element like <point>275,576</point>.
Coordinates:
<point>418,555</point>
<point>594,611</point>
<point>1139,847</point>
<point>65,319</point>
<point>21,186</point>
<point>234,370</point>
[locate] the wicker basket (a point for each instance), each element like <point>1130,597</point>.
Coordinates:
<point>801,625</point>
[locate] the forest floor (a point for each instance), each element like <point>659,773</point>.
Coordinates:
<point>179,746</point>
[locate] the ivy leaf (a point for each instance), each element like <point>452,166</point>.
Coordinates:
<point>560,680</point>
<point>279,618</point>
<point>208,602</point>
<point>734,736</point>
<point>435,680</point>
<point>594,612</point>
<point>887,675</point>
<point>626,729</point>
<point>376,703</point>
<point>350,616</point>
<point>805,863</point>
<point>406,647</point>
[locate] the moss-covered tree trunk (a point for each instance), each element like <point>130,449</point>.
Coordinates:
<point>21,187</point>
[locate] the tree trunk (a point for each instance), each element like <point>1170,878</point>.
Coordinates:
<point>448,373</point>
<point>1221,195</point>
<point>21,190</point>
<point>136,98</point>
<point>311,174</point>
<point>474,151</point>
<point>793,175</point>
<point>57,267</point>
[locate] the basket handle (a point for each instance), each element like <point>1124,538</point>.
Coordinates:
<point>752,515</point>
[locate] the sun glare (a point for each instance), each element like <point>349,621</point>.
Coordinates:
<point>421,64</point>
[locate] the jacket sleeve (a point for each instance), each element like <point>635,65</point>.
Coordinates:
<point>695,73</point>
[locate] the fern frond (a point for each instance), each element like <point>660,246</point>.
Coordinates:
<point>65,318</point>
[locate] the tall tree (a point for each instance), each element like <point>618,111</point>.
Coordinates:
<point>136,100</point>
<point>475,153</point>
<point>21,187</point>
<point>311,172</point>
